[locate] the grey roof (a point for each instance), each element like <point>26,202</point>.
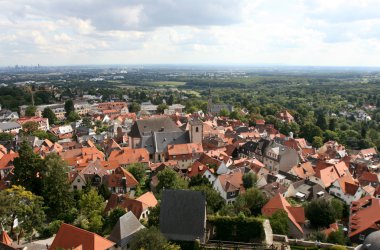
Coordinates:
<point>163,139</point>
<point>372,241</point>
<point>9,125</point>
<point>183,215</point>
<point>216,108</point>
<point>144,127</point>
<point>125,228</point>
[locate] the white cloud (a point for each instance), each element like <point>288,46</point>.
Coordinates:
<point>302,32</point>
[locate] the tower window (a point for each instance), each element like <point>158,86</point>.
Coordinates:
<point>196,129</point>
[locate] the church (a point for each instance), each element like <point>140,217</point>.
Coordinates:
<point>155,134</point>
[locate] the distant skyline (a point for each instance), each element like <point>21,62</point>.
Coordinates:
<point>250,32</point>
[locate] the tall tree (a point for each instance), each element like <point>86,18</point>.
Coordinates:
<point>28,169</point>
<point>321,121</point>
<point>249,180</point>
<point>161,108</point>
<point>151,239</point>
<point>320,212</point>
<point>26,207</point>
<point>169,179</point>
<point>279,222</point>
<point>56,187</point>
<point>49,114</point>
<point>30,111</point>
<point>91,206</point>
<point>135,107</point>
<point>69,107</point>
<point>30,127</point>
<point>137,170</point>
<point>250,202</point>
<point>170,100</point>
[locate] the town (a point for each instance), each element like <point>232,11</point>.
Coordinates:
<point>100,164</point>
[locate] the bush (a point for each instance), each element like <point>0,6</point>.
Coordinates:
<point>242,229</point>
<point>51,229</point>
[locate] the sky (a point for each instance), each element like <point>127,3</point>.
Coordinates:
<point>257,32</point>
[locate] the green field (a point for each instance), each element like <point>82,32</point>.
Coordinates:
<point>167,84</point>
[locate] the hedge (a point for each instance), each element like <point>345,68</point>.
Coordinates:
<point>239,228</point>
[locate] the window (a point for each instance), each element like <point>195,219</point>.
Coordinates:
<point>75,187</point>
<point>196,129</point>
<point>78,180</point>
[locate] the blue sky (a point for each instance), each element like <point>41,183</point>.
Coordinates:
<point>291,32</point>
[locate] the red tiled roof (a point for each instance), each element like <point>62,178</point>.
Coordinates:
<point>185,149</point>
<point>364,214</point>
<point>295,215</point>
<point>128,156</point>
<point>69,237</point>
<point>4,238</point>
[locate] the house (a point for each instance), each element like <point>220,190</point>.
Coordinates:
<point>368,153</point>
<point>10,127</point>
<point>139,207</point>
<point>296,215</point>
<point>127,156</point>
<point>368,178</point>
<point>80,157</point>
<point>6,164</point>
<point>277,157</point>
<point>120,181</point>
<point>185,154</point>
<point>303,171</point>
<point>43,123</point>
<point>285,116</point>
<point>5,239</point>
<point>183,215</point>
<point>325,176</point>
<point>197,168</point>
<point>124,230</point>
<point>346,188</point>
<point>70,237</point>
<point>217,165</point>
<point>306,190</point>
<point>364,218</point>
<point>62,132</point>
<point>7,115</point>
<point>229,185</point>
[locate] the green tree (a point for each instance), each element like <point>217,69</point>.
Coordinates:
<point>30,111</point>
<point>309,130</point>
<point>91,206</point>
<point>169,179</point>
<point>320,212</point>
<point>6,137</point>
<point>151,239</point>
<point>170,100</point>
<point>321,121</point>
<point>332,124</point>
<point>224,113</point>
<point>317,142</point>
<point>338,207</point>
<point>17,202</point>
<point>86,122</point>
<point>104,191</point>
<point>49,114</point>
<point>135,107</point>
<point>337,237</point>
<point>154,216</point>
<point>198,180</point>
<point>56,188</point>
<point>161,108</point>
<point>30,127</point>
<point>42,135</point>
<point>138,171</point>
<point>249,180</point>
<point>69,107</point>
<point>214,201</point>
<point>113,217</point>
<point>28,169</point>
<point>73,116</point>
<point>250,202</point>
<point>279,222</point>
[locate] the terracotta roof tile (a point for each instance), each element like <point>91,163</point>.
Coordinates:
<point>70,237</point>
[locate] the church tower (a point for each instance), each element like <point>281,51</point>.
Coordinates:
<point>196,131</point>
